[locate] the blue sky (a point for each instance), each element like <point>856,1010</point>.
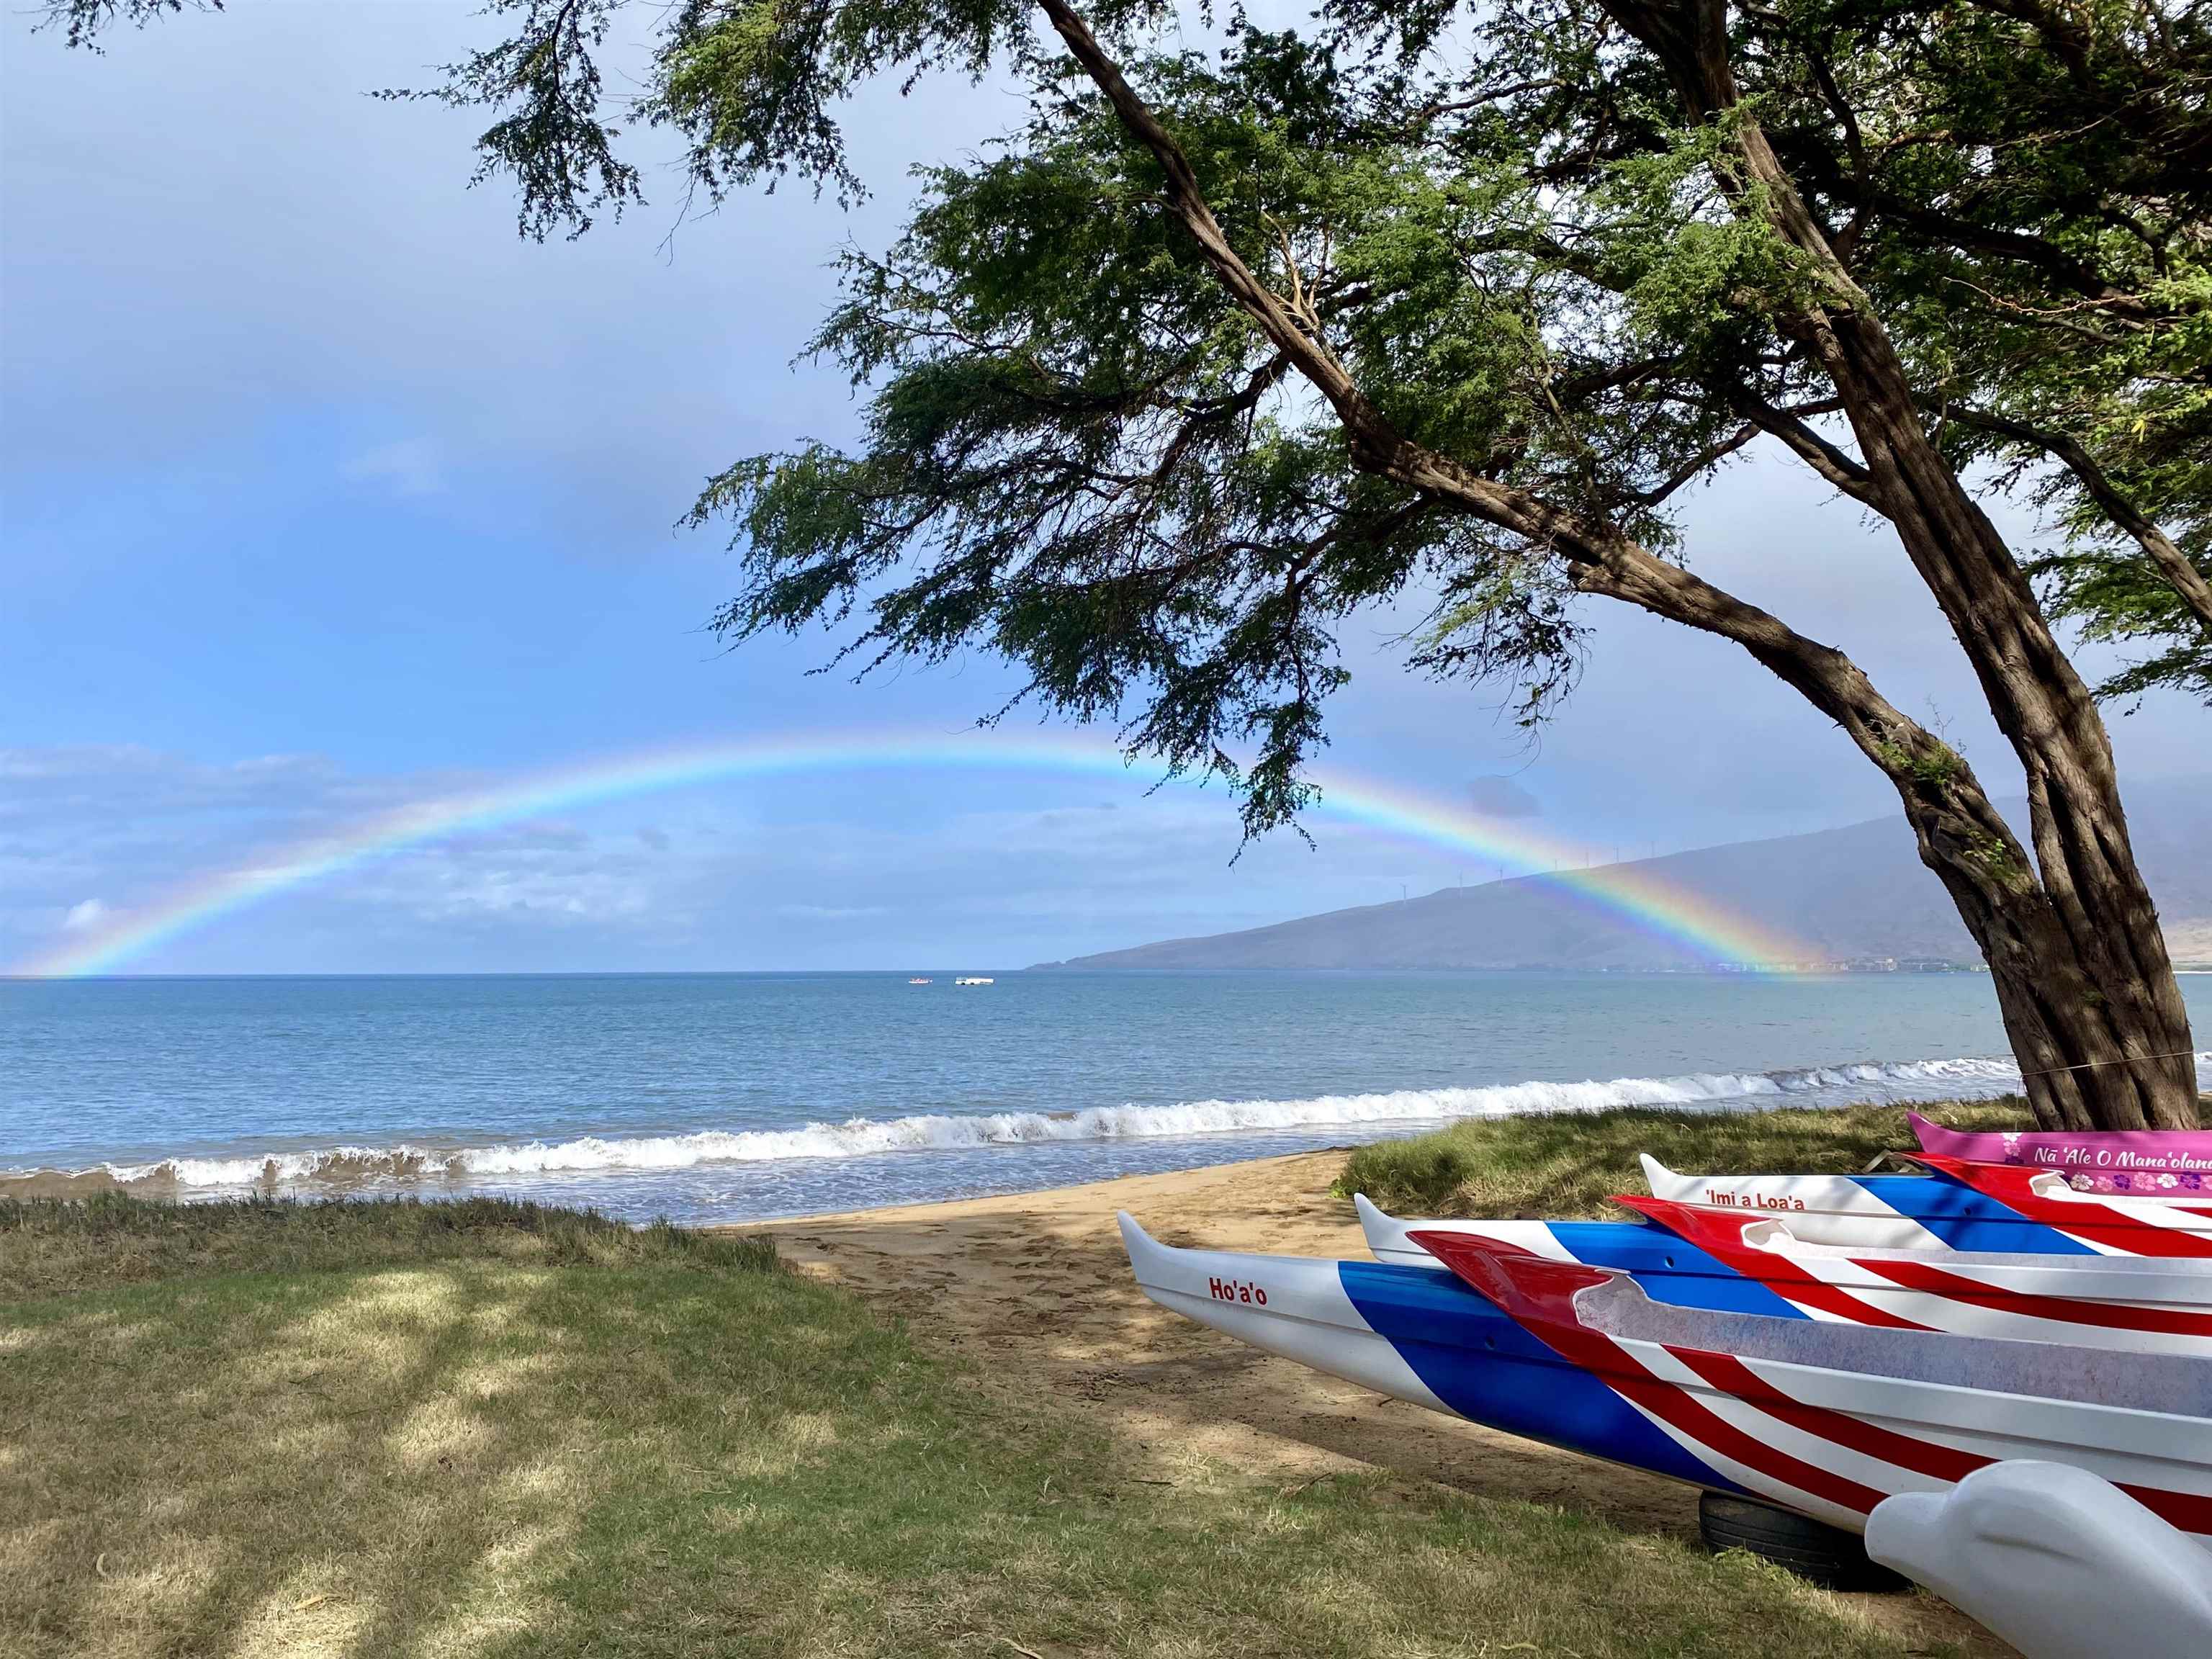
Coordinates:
<point>323,491</point>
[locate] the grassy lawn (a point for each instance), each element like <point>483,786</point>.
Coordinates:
<point>265,1429</point>
<point>1568,1165</point>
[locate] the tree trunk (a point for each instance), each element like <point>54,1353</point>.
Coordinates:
<point>2083,1066</point>
<point>2079,959</point>
<point>2076,1060</point>
<point>2082,976</point>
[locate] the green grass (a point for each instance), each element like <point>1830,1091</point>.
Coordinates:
<point>1568,1165</point>
<point>262,1428</point>
<point>53,1247</point>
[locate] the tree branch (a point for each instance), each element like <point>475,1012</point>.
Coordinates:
<point>2172,563</point>
<point>1309,355</point>
<point>1697,463</point>
<point>1845,471</point>
<point>1601,558</point>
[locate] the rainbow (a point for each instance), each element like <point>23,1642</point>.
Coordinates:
<point>1713,933</point>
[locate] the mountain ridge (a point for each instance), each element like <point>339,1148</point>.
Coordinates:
<point>1856,895</point>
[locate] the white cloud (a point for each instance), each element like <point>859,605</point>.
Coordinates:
<point>409,467</point>
<point>89,914</point>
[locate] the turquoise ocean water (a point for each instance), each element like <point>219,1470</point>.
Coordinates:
<point>732,1095</point>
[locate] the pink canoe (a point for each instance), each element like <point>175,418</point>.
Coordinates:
<point>2118,1154</point>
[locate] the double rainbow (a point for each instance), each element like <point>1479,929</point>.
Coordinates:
<point>1713,931</point>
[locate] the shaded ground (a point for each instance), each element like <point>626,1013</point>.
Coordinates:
<point>370,1432</point>
<point>1035,1289</point>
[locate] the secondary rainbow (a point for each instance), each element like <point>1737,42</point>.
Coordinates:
<point>1712,931</point>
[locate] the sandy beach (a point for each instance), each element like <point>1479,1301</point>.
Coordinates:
<point>1035,1289</point>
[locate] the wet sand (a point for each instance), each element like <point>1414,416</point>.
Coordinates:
<point>1034,1288</point>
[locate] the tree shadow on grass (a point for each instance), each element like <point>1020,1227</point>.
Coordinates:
<point>382,1462</point>
<point>1044,1307</point>
<point>507,1460</point>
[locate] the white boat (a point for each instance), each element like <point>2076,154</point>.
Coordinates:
<point>1824,1418</point>
<point>2167,1217</point>
<point>2142,1304</point>
<point>1886,1212</point>
<point>921,979</point>
<point>974,978</point>
<point>2042,1554</point>
<point>1962,1207</point>
<point>1668,1269</point>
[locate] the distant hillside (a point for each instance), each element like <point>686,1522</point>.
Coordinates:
<point>1857,893</point>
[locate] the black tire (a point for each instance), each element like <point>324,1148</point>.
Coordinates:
<point>1813,1550</point>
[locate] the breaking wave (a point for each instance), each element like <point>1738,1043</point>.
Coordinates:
<point>865,1137</point>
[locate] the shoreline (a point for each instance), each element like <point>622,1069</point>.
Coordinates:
<point>50,1184</point>
<point>562,1166</point>
<point>1136,1182</point>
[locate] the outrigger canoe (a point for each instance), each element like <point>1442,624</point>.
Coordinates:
<point>1827,1420</point>
<point>1697,1256</point>
<point>1668,1268</point>
<point>2113,1224</point>
<point>2118,1154</point>
<point>1871,1212</point>
<point>2143,1304</point>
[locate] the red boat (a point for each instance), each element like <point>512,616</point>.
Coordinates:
<point>2112,1224</point>
<point>2143,1304</point>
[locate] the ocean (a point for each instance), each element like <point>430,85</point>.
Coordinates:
<point>706,1097</point>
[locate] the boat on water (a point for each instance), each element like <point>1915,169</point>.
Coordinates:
<point>921,979</point>
<point>2143,1304</point>
<point>974,978</point>
<point>1826,1419</point>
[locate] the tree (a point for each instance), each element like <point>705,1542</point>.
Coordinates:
<point>1458,301</point>
<point>2080,362</point>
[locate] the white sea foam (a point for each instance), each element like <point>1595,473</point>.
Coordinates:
<point>866,1137</point>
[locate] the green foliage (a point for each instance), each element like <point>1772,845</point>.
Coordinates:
<point>544,78</point>
<point>1997,857</point>
<point>1932,763</point>
<point>52,1246</point>
<point>2117,596</point>
<point>1571,1162</point>
<point>82,22</point>
<point>2037,188</point>
<point>1079,452</point>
